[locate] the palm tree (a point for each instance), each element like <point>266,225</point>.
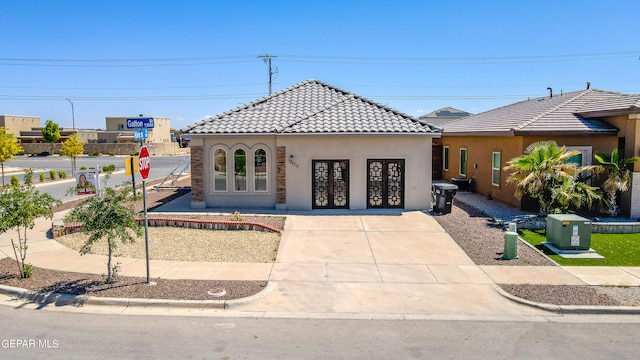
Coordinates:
<point>618,178</point>
<point>544,172</point>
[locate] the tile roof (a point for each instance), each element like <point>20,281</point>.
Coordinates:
<point>546,115</point>
<point>310,107</point>
<point>623,104</point>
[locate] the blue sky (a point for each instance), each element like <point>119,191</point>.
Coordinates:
<point>189,59</point>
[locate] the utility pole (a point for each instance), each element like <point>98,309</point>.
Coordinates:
<point>267,59</point>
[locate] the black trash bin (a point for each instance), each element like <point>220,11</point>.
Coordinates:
<point>443,195</point>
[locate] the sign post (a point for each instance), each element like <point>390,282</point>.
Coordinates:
<point>144,165</point>
<point>131,169</point>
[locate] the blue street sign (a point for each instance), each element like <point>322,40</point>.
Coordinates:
<point>139,134</point>
<point>139,123</point>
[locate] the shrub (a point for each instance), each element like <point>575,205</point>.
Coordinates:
<point>27,271</point>
<point>83,168</point>
<point>52,174</point>
<point>28,176</point>
<point>135,153</point>
<point>14,180</point>
<point>95,153</point>
<point>111,153</point>
<point>44,153</point>
<point>21,152</point>
<point>42,177</point>
<point>62,174</point>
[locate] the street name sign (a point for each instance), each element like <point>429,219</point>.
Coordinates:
<point>139,123</point>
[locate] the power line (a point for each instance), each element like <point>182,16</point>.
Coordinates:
<point>326,59</point>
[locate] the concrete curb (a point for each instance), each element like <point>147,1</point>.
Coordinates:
<point>541,306</point>
<point>572,309</point>
<point>57,299</point>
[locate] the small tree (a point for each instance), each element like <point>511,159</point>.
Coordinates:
<point>544,172</point>
<point>51,133</point>
<point>107,216</point>
<point>9,147</point>
<point>618,178</point>
<point>19,207</point>
<point>72,147</point>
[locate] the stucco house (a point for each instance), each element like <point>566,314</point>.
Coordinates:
<point>311,146</point>
<point>591,121</point>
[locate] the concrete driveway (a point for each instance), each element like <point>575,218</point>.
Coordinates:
<point>395,266</point>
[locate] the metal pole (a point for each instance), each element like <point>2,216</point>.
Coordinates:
<point>133,174</point>
<point>73,115</point>
<point>146,227</point>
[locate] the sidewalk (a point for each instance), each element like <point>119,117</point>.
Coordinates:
<point>391,264</point>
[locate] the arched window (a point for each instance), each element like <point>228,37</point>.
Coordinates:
<point>220,170</point>
<point>260,170</point>
<point>240,170</point>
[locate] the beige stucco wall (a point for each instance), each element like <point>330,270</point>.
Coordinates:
<point>357,149</point>
<point>15,124</point>
<point>415,150</point>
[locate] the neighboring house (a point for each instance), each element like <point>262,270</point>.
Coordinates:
<point>437,118</point>
<point>311,146</point>
<point>443,115</point>
<point>590,121</point>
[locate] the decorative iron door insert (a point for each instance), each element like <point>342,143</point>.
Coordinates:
<point>385,183</point>
<point>330,184</point>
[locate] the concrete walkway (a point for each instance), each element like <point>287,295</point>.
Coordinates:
<point>388,264</point>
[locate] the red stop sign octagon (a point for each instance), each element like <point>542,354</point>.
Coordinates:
<point>144,163</point>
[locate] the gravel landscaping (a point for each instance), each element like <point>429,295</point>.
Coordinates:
<point>483,241</point>
<point>46,280</point>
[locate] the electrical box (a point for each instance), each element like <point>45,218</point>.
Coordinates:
<point>569,232</point>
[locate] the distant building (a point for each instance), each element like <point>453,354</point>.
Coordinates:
<point>14,124</point>
<point>443,115</point>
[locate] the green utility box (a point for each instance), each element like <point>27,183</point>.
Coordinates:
<point>569,232</point>
<point>510,245</point>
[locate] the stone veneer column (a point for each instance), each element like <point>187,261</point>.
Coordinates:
<point>281,177</point>
<point>197,174</point>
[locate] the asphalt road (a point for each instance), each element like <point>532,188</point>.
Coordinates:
<point>64,335</point>
<point>161,166</point>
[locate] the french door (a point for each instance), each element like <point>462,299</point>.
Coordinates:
<point>385,183</point>
<point>330,184</point>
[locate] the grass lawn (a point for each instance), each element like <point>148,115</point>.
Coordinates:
<point>617,249</point>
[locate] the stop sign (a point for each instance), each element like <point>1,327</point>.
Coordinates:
<point>144,163</point>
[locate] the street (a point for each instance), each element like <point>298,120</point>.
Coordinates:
<point>161,166</point>
<point>32,334</point>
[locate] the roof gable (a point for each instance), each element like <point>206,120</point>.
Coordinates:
<point>310,107</point>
